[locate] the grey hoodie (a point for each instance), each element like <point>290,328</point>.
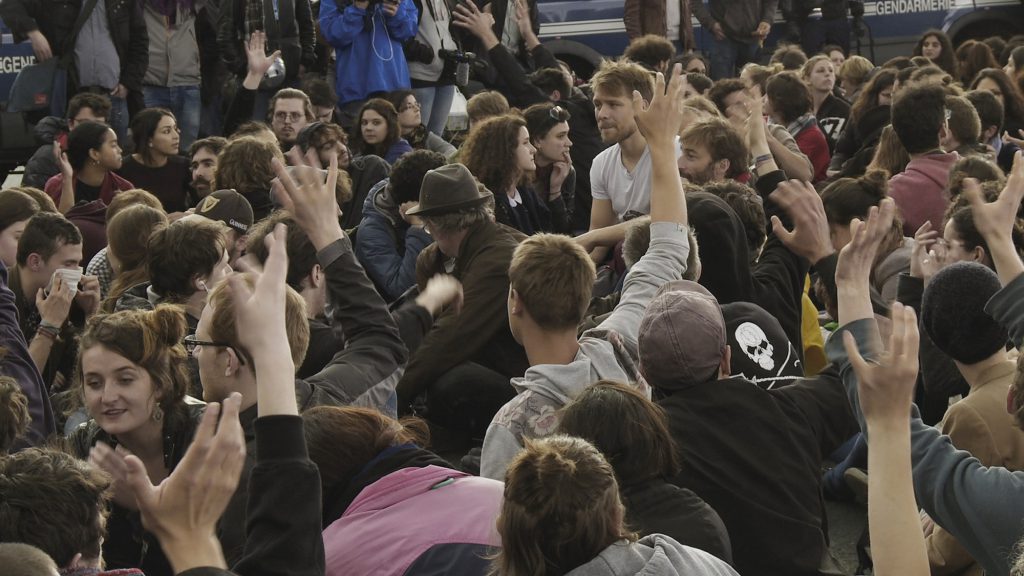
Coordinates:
<point>608,351</point>
<point>654,555</point>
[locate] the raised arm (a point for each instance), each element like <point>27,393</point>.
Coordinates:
<point>995,220</point>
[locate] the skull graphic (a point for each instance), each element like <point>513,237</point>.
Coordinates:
<point>755,344</point>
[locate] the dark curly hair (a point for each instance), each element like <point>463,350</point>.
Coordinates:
<point>408,172</point>
<point>489,152</point>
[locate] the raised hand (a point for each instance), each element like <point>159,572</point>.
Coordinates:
<point>258,62</point>
<point>995,220</point>
<point>810,236</point>
<point>886,387</point>
<point>260,308</point>
<point>924,239</point>
<point>311,201</point>
<point>441,290</point>
<point>184,509</point>
<point>466,15</point>
<point>659,120</point>
<point>857,258</point>
<point>61,158</point>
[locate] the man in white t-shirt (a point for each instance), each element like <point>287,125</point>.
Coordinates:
<point>620,177</point>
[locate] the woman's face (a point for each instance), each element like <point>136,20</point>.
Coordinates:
<point>837,58</point>
<point>108,155</point>
<point>931,48</point>
<point>409,114</point>
<point>990,85</point>
<point>374,127</point>
<point>525,152</point>
<point>9,242</point>
<point>119,394</point>
<point>954,243</point>
<point>166,138</point>
<point>885,96</point>
<point>555,145</point>
<point>823,77</point>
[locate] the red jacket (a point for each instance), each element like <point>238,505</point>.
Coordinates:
<point>112,184</point>
<point>812,142</point>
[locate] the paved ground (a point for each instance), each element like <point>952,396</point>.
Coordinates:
<point>845,523</point>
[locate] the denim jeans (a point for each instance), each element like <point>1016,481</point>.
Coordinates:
<point>184,102</point>
<point>728,56</point>
<point>435,105</point>
<point>118,120</point>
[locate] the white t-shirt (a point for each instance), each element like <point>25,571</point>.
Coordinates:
<point>629,192</point>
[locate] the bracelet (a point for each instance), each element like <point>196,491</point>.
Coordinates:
<point>762,159</point>
<point>45,324</point>
<point>46,332</point>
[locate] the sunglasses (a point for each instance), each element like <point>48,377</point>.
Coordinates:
<point>558,114</point>
<point>191,343</point>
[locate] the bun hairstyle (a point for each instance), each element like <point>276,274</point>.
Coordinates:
<point>152,340</point>
<point>561,508</point>
<point>973,166</point>
<point>849,198</point>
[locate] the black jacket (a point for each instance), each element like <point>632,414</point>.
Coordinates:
<point>755,456</point>
<point>56,19</point>
<point>544,215</point>
<point>774,283</point>
<point>127,543</point>
<point>364,373</point>
<point>294,35</point>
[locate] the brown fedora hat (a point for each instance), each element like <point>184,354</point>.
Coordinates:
<point>448,189</point>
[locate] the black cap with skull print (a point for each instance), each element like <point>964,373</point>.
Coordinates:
<point>761,353</point>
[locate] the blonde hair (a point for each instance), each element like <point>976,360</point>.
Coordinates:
<point>622,78</point>
<point>561,509</point>
<point>486,104</point>
<point>554,276</point>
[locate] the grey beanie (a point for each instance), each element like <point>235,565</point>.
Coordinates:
<point>953,312</point>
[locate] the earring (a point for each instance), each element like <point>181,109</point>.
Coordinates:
<point>158,414</point>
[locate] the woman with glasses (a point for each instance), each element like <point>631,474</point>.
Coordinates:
<point>155,166</point>
<point>133,377</point>
<point>411,125</point>
<point>548,125</point>
<point>377,132</point>
<point>499,153</point>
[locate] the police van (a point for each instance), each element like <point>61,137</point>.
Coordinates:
<point>581,32</point>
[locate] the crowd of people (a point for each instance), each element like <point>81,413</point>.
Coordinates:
<point>261,312</point>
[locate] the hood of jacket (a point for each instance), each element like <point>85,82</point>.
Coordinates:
<point>930,170</point>
<point>722,245</point>
<point>49,128</point>
<point>602,356</point>
<point>380,201</point>
<point>654,554</point>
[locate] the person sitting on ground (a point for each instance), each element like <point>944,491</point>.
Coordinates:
<point>632,433</point>
<point>869,113</point>
<point>651,51</point>
<point>84,107</point>
<point>16,208</point>
<point>484,105</point>
<point>87,168</point>
<point>127,240</point>
<point>465,381</point>
<point>499,153</point>
<point>155,165</point>
<point>26,560</point>
<point>920,122</point>
<point>203,155</point>
<point>380,485</point>
<point>14,416</point>
<point>963,136</point>
<point>713,151</point>
<point>390,240</point>
<point>550,285</point>
<point>133,380</point>
<point>378,133</point>
<point>789,103</point>
<point>562,514</point>
<point>412,128</point>
<point>100,265</point>
<point>548,126</point>
<point>245,167</point>
<point>829,110</point>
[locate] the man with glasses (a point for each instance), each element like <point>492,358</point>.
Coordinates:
<point>84,107</point>
<point>921,122</point>
<point>290,112</point>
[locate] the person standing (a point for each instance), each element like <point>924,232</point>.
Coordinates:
<point>669,18</point>
<point>432,74</point>
<point>110,53</point>
<point>173,76</point>
<point>738,28</point>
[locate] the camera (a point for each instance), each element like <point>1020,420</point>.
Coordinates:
<point>416,51</point>
<point>462,61</point>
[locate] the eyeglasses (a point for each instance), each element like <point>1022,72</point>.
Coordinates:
<point>290,116</point>
<point>413,106</point>
<point>558,114</point>
<point>191,343</point>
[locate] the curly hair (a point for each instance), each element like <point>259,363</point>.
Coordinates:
<point>490,152</point>
<point>244,166</point>
<point>14,416</point>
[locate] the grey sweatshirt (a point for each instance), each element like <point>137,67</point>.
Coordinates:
<point>983,508</point>
<point>654,554</point>
<point>608,351</point>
